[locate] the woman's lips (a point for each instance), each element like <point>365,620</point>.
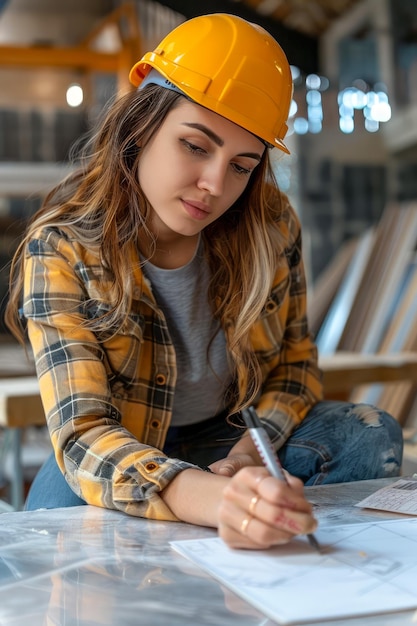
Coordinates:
<point>197,210</point>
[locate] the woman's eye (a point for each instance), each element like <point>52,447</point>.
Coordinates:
<point>243,171</point>
<point>192,147</point>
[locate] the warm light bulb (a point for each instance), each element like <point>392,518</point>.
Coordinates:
<point>75,95</point>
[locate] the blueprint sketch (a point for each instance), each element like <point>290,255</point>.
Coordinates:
<point>365,568</point>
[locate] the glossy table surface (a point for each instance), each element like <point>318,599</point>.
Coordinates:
<point>87,566</point>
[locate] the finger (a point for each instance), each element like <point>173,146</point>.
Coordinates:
<point>295,483</point>
<point>240,529</point>
<point>252,481</point>
<point>252,505</point>
<point>228,466</point>
<point>250,476</point>
<point>275,504</point>
<point>275,514</point>
<point>288,495</point>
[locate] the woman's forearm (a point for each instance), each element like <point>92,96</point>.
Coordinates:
<point>194,496</point>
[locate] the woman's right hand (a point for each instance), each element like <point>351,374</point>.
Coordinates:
<point>258,511</point>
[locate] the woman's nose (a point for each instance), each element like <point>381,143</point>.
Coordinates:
<point>212,178</point>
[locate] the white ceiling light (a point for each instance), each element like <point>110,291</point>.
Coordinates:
<point>75,95</point>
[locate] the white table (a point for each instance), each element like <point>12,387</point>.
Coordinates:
<point>87,566</point>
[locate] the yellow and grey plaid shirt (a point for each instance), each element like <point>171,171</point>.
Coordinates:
<point>108,397</point>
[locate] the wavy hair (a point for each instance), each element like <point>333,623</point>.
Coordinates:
<point>102,204</point>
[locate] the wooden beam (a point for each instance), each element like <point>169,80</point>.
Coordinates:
<point>343,371</point>
<point>82,57</point>
<point>126,21</point>
<point>78,57</point>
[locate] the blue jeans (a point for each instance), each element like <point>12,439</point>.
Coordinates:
<point>336,442</point>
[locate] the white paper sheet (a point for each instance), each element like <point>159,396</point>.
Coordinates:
<point>365,569</point>
<point>400,497</point>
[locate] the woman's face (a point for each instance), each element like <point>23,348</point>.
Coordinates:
<point>194,168</point>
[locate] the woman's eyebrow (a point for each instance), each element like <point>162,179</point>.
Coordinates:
<point>207,131</point>
<point>218,140</point>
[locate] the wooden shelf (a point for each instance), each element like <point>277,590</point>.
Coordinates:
<point>342,371</point>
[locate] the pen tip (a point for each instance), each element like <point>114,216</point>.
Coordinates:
<point>314,543</point>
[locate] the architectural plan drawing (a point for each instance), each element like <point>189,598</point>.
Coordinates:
<point>365,568</point>
<point>400,497</point>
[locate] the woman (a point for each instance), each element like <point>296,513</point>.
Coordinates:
<point>163,292</point>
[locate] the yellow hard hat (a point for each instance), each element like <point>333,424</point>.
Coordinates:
<point>229,66</point>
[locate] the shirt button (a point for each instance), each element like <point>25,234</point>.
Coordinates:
<point>160,379</point>
<point>151,466</point>
<point>155,424</point>
<point>270,306</point>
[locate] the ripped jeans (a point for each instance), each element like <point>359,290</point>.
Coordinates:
<point>342,442</point>
<point>337,442</point>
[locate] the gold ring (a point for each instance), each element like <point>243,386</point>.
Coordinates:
<point>253,503</point>
<point>244,525</point>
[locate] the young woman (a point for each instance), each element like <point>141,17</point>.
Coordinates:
<point>163,292</point>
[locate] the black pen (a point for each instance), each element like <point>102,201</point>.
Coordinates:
<point>267,453</point>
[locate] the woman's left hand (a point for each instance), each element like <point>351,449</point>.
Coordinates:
<point>232,464</point>
<point>243,454</point>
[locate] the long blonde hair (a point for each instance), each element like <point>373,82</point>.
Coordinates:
<point>103,205</point>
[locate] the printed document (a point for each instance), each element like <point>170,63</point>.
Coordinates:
<point>400,497</point>
<point>365,569</point>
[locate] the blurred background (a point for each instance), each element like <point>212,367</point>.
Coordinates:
<point>351,175</point>
<point>353,130</point>
<point>353,127</point>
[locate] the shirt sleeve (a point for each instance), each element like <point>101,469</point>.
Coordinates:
<point>102,461</point>
<point>293,380</point>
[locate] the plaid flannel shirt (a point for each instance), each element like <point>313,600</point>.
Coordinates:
<point>108,397</point>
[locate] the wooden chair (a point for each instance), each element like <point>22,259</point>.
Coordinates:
<point>20,408</point>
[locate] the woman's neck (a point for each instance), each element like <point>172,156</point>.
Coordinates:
<point>169,253</point>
